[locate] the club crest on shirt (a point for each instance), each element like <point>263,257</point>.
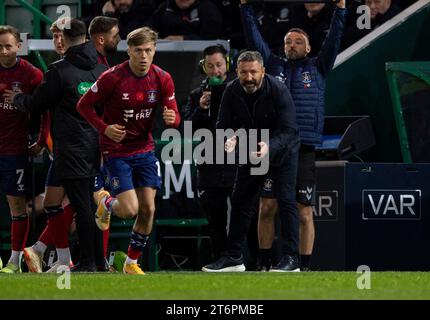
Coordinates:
<point>16,86</point>
<point>125,96</point>
<point>151,96</point>
<point>306,77</point>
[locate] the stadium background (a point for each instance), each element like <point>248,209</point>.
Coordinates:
<point>357,86</point>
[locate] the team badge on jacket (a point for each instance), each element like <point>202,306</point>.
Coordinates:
<point>306,79</point>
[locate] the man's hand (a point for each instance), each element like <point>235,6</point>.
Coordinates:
<point>169,116</point>
<point>264,149</point>
<point>243,1</point>
<point>115,132</point>
<point>340,4</point>
<point>108,8</point>
<point>230,144</point>
<point>205,100</point>
<point>9,95</point>
<point>35,149</point>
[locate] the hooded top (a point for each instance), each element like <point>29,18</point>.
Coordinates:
<point>76,151</point>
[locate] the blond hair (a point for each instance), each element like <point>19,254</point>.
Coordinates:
<point>141,36</point>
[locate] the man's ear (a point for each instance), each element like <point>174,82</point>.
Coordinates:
<point>308,49</point>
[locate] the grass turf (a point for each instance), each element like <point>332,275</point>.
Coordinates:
<point>198,285</point>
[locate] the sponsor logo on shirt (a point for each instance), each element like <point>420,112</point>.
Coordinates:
<point>128,114</point>
<point>143,114</point>
<point>83,87</point>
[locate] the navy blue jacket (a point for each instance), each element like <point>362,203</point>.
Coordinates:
<point>273,110</point>
<point>304,77</point>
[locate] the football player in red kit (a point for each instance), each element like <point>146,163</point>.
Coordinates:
<point>18,75</point>
<point>130,92</point>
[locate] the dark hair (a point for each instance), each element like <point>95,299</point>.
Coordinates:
<point>75,30</point>
<point>298,30</point>
<point>102,24</point>
<point>208,51</point>
<point>12,30</point>
<point>249,56</point>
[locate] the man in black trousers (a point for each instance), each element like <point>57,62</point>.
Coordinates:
<point>260,102</point>
<point>75,141</point>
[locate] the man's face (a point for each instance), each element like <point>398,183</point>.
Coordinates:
<point>215,66</point>
<point>141,57</point>
<point>250,74</point>
<point>314,8</point>
<point>122,6</point>
<point>296,46</point>
<point>184,4</point>
<point>9,47</point>
<point>57,38</point>
<point>378,6</point>
<point>111,40</point>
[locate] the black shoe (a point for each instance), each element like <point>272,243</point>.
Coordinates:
<point>225,264</point>
<point>287,264</point>
<point>305,269</point>
<point>84,268</point>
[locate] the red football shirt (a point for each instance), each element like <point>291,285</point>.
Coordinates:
<point>13,123</point>
<point>130,101</point>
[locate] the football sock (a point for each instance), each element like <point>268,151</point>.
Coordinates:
<point>266,258</point>
<point>39,247</point>
<point>19,231</point>
<point>137,244</point>
<point>305,260</point>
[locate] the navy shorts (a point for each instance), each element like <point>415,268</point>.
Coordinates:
<point>12,175</point>
<point>140,170</point>
<point>102,180</point>
<point>51,178</point>
<point>306,179</point>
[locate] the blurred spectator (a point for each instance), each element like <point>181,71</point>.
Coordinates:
<point>381,11</point>
<point>274,19</point>
<point>314,19</point>
<point>187,20</point>
<point>231,26</point>
<point>131,14</point>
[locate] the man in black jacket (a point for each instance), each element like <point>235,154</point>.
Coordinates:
<point>257,101</point>
<point>75,141</point>
<point>214,181</point>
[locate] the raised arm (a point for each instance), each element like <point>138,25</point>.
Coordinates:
<point>253,36</point>
<point>330,48</point>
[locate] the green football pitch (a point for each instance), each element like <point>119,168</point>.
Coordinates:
<point>198,285</point>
